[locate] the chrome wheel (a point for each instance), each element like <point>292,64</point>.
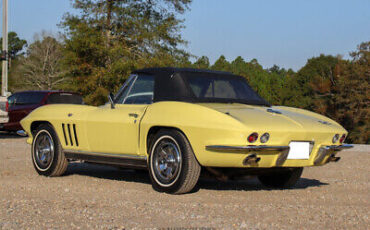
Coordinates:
<point>166,161</point>
<point>43,150</point>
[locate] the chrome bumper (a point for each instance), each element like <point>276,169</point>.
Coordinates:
<point>338,147</point>
<point>243,149</point>
<point>328,150</point>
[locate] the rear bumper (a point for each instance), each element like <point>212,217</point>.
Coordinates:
<point>326,154</point>
<point>260,156</point>
<point>338,147</point>
<point>270,156</point>
<point>246,149</point>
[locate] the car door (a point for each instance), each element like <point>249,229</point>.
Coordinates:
<point>116,130</point>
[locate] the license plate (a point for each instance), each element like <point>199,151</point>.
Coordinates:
<point>299,150</point>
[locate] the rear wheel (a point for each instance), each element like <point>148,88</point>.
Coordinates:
<point>47,155</point>
<point>173,167</point>
<point>284,178</point>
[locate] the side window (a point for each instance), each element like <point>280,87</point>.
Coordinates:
<point>220,89</point>
<point>140,91</point>
<point>122,93</point>
<point>29,98</point>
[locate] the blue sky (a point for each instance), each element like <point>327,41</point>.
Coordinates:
<point>284,32</point>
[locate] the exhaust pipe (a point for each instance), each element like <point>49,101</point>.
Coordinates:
<point>333,158</point>
<point>251,159</point>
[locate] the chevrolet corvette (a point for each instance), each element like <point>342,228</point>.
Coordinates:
<point>176,122</point>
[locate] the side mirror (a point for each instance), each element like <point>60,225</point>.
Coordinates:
<point>110,97</point>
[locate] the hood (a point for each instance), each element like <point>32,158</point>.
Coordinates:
<point>276,118</point>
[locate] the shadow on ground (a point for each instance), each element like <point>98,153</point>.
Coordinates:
<point>141,176</point>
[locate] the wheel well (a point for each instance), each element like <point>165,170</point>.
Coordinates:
<point>153,131</point>
<point>36,124</point>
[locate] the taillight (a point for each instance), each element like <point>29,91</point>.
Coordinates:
<point>7,106</point>
<point>265,138</point>
<point>342,138</point>
<point>253,137</point>
<point>335,138</point>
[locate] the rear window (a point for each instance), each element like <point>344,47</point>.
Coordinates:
<point>30,98</point>
<point>218,87</point>
<point>64,98</point>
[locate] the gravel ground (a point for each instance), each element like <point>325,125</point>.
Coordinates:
<point>335,196</point>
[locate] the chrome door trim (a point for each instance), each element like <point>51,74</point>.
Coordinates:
<point>118,155</point>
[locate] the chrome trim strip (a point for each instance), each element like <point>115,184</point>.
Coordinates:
<point>338,147</point>
<point>224,148</point>
<point>118,155</point>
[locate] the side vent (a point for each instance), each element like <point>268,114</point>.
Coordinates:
<point>64,133</point>
<point>75,133</point>
<point>68,137</point>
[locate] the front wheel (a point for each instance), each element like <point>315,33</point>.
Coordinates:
<point>47,154</point>
<point>285,178</point>
<point>173,167</point>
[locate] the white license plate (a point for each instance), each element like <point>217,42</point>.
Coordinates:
<point>299,150</point>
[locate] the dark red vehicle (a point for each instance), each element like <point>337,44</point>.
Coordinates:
<point>20,104</point>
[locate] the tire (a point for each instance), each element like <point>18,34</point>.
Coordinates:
<point>285,178</point>
<point>47,155</point>
<point>172,165</point>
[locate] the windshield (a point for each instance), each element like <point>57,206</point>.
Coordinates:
<point>217,88</point>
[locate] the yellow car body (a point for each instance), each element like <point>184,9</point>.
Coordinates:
<point>114,131</point>
<point>175,121</point>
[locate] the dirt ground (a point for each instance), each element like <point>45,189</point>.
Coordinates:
<point>335,196</point>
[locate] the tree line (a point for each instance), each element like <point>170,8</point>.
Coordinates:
<point>108,39</point>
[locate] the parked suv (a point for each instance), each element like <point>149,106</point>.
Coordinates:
<point>20,104</point>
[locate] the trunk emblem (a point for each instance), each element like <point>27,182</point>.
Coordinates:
<point>273,111</point>
<point>324,122</point>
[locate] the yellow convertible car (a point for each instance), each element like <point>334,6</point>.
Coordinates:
<point>175,122</point>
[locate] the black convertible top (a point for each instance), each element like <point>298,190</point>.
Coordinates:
<point>172,84</point>
<point>171,70</point>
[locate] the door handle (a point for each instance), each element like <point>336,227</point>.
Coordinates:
<point>135,115</point>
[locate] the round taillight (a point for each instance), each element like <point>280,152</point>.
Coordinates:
<point>342,138</point>
<point>335,138</point>
<point>265,138</point>
<point>253,137</point>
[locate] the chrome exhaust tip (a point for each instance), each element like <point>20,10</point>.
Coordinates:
<point>22,133</point>
<point>333,158</point>
<point>251,159</point>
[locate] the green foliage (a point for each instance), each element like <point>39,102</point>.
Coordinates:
<point>351,106</point>
<point>109,39</point>
<point>15,45</point>
<point>317,73</point>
